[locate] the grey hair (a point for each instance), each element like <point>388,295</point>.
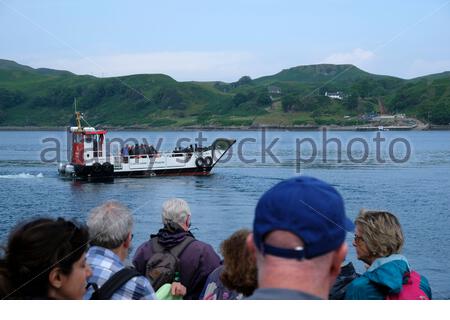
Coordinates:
<point>175,210</point>
<point>381,232</point>
<point>109,224</point>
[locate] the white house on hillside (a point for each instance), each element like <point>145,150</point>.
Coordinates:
<point>334,95</point>
<point>274,90</point>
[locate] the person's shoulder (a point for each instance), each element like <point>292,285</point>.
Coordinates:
<point>144,246</point>
<point>201,245</point>
<point>214,276</point>
<point>144,249</point>
<point>139,288</point>
<point>362,289</point>
<point>281,294</point>
<point>208,251</point>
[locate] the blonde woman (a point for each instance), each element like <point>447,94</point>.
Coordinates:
<point>378,241</point>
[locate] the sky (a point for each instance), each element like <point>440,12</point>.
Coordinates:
<point>224,40</point>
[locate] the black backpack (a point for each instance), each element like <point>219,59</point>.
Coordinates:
<point>115,282</point>
<point>164,263</point>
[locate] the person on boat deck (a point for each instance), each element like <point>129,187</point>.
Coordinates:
<point>378,241</point>
<point>45,259</point>
<point>146,149</point>
<point>298,239</point>
<point>110,228</point>
<point>197,260</point>
<point>125,153</point>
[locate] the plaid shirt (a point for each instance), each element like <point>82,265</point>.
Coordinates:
<point>104,264</point>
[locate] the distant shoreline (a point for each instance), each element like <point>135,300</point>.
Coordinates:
<point>236,128</point>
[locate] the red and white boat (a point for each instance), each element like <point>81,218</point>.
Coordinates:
<point>89,158</point>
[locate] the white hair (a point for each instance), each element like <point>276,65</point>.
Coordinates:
<point>109,224</point>
<point>175,210</point>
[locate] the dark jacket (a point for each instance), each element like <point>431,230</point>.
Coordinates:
<point>345,277</point>
<point>197,261</point>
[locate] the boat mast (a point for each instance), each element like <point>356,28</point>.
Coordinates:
<point>78,116</point>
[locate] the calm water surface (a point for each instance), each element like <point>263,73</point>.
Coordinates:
<point>417,191</point>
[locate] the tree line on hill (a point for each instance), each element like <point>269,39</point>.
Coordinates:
<point>294,96</point>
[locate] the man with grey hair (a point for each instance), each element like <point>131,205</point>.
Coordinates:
<point>110,229</point>
<point>196,258</point>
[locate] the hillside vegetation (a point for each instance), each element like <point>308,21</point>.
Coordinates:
<point>295,96</point>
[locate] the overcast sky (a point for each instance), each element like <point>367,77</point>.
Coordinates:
<point>224,40</point>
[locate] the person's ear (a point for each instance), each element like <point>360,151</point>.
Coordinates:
<point>338,257</point>
<point>187,224</point>
<point>127,242</point>
<point>55,278</point>
<point>250,244</point>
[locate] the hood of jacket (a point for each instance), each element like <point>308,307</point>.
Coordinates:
<point>169,238</point>
<point>388,272</point>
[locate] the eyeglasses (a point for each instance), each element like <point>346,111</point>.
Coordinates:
<point>358,238</point>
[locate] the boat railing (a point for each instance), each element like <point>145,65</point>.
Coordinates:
<point>138,157</point>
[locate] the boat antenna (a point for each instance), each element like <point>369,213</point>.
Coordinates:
<point>77,116</point>
<point>85,120</point>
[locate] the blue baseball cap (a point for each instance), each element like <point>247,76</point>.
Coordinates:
<point>309,208</point>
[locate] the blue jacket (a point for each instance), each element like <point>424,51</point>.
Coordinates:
<point>385,276</point>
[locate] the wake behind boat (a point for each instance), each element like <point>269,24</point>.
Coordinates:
<point>89,158</point>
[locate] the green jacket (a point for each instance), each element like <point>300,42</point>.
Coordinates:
<point>385,276</point>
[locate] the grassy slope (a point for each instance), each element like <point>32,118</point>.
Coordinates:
<point>43,97</point>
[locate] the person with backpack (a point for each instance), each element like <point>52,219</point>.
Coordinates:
<point>378,241</point>
<point>110,230</point>
<point>174,252</point>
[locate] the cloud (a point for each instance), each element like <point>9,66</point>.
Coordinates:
<point>183,66</point>
<point>357,56</point>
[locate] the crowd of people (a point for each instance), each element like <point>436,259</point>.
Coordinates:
<point>296,250</point>
<point>138,149</point>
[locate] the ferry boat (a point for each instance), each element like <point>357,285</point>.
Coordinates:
<point>89,158</point>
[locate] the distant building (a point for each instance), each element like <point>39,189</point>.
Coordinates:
<point>389,117</point>
<point>334,95</point>
<point>274,90</point>
<point>383,117</point>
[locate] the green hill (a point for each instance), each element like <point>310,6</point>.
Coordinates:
<point>295,96</point>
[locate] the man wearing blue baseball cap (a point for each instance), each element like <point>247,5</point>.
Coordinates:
<point>298,239</point>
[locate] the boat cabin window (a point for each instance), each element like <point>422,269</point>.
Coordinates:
<point>77,138</point>
<point>98,144</point>
<point>88,138</point>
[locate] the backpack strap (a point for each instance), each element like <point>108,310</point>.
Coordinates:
<point>176,250</point>
<point>116,281</point>
<point>179,248</point>
<point>156,247</point>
